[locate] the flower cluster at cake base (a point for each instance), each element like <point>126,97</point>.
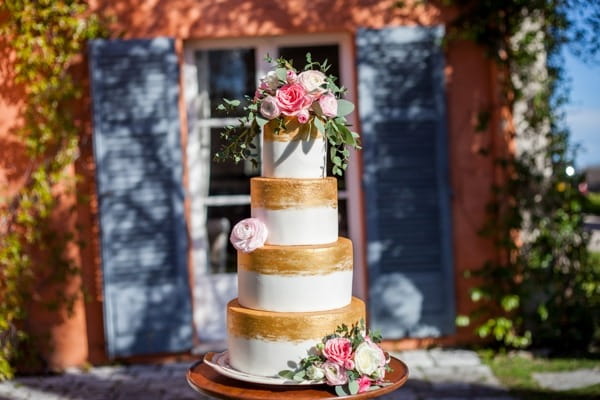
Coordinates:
<point>349,359</point>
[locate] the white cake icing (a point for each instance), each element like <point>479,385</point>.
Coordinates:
<point>266,358</point>
<point>294,293</point>
<point>303,226</point>
<point>294,159</point>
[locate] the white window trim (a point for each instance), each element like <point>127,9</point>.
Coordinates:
<point>196,148</point>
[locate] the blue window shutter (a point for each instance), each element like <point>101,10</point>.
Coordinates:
<point>147,299</point>
<point>405,178</point>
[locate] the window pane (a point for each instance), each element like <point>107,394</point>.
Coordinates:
<point>229,74</point>
<point>318,53</point>
<point>222,255</point>
<point>228,177</point>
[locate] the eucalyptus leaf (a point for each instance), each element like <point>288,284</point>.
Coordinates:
<point>353,387</point>
<point>261,121</point>
<point>319,124</point>
<point>281,74</point>
<point>344,107</point>
<point>299,376</point>
<point>341,391</point>
<point>286,373</point>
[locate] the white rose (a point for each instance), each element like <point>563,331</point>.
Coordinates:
<point>312,81</point>
<point>367,358</point>
<point>315,373</point>
<point>271,81</point>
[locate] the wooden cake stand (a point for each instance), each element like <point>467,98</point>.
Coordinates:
<point>204,379</point>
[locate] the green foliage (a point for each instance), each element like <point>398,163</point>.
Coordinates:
<point>592,204</point>
<point>542,289</point>
<point>46,37</point>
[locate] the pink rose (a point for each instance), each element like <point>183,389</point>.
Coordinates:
<point>269,108</point>
<point>334,374</point>
<point>292,98</point>
<point>248,235</point>
<point>290,76</point>
<point>328,104</point>
<point>364,383</point>
<point>349,364</point>
<point>303,116</point>
<point>312,81</point>
<point>338,351</point>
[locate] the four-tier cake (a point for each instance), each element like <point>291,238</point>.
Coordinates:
<point>297,287</point>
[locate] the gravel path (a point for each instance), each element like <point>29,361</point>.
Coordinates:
<point>434,374</point>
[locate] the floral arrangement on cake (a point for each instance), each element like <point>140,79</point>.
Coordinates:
<point>285,94</point>
<point>349,359</point>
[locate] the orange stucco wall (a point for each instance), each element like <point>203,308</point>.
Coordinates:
<point>470,88</point>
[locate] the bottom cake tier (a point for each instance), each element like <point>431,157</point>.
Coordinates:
<point>265,342</point>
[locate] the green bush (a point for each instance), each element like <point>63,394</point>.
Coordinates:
<point>592,204</point>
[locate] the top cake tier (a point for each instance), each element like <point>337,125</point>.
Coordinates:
<point>298,152</point>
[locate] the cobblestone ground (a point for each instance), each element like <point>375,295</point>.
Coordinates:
<point>434,374</point>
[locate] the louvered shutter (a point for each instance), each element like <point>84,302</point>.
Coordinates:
<point>405,178</point>
<point>147,305</point>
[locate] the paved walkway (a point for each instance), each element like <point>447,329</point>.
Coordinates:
<point>434,375</point>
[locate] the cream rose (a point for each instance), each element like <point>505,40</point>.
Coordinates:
<point>368,357</point>
<point>315,373</point>
<point>312,81</point>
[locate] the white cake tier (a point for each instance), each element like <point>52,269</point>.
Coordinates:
<point>291,227</point>
<point>264,343</point>
<point>265,358</point>
<point>294,293</point>
<point>297,151</point>
<point>295,159</point>
<point>296,211</point>
<point>286,278</point>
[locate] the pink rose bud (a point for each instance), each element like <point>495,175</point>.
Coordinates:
<point>303,116</point>
<point>248,235</point>
<point>290,76</point>
<point>364,383</point>
<point>269,108</point>
<point>257,95</point>
<point>328,104</point>
<point>334,374</point>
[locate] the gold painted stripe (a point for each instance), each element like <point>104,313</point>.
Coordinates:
<point>282,193</point>
<point>299,260</point>
<point>285,326</point>
<point>293,131</point>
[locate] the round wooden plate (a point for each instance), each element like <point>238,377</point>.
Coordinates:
<point>206,380</point>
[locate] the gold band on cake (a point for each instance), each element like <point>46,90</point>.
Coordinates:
<point>287,326</point>
<point>293,131</point>
<point>299,260</point>
<point>284,193</point>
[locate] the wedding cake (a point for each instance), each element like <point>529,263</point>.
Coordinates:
<point>297,287</point>
<point>295,316</point>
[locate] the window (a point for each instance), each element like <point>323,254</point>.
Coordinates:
<point>232,73</point>
<point>219,192</point>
